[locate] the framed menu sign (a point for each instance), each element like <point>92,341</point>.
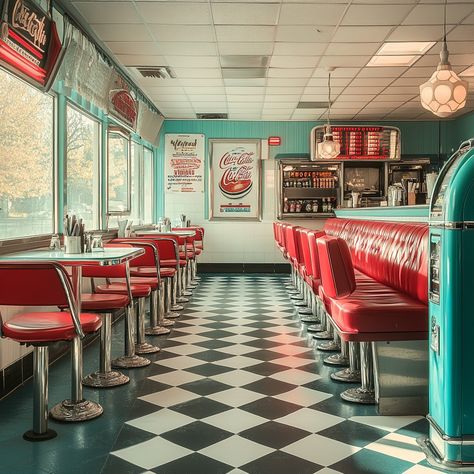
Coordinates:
<point>360,142</point>
<point>184,163</point>
<point>235,179</point>
<point>29,42</point>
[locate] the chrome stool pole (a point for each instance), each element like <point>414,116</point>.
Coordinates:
<point>342,358</point>
<point>174,290</point>
<point>326,333</point>
<point>143,347</point>
<point>105,376</point>
<point>352,373</point>
<point>169,299</point>
<point>181,298</point>
<point>331,345</point>
<point>163,305</point>
<point>155,329</point>
<point>315,306</point>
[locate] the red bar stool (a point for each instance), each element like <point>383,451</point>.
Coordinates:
<point>47,284</point>
<point>185,254</point>
<point>150,260</point>
<point>199,245</point>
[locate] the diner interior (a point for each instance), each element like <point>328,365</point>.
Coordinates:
<point>235,236</point>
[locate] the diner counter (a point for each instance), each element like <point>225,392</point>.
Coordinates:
<point>398,213</point>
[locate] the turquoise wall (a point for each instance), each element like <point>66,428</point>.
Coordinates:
<point>461,129</point>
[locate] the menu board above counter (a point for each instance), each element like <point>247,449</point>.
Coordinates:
<point>371,143</point>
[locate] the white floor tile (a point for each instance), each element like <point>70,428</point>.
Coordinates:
<point>292,362</point>
<point>152,453</point>
<point>292,350</point>
<point>387,423</point>
<point>236,397</point>
<point>176,377</point>
<point>235,420</point>
<point>236,451</point>
<point>398,446</point>
<point>320,450</point>
<point>161,421</point>
<point>296,376</point>
<point>180,362</point>
<point>171,396</point>
<point>194,329</point>
<point>303,396</point>
<point>417,469</point>
<point>286,339</point>
<point>239,362</point>
<point>238,339</point>
<point>185,349</point>
<point>190,339</point>
<point>240,329</point>
<point>237,349</point>
<point>237,378</point>
<point>310,420</point>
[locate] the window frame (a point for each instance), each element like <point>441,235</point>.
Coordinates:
<point>152,177</point>
<point>100,161</point>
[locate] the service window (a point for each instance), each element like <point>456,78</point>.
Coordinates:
<point>148,194</point>
<point>82,169</point>
<point>27,159</point>
<point>118,172</point>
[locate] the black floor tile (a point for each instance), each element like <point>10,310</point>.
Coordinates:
<point>218,334</point>
<point>262,344</point>
<point>209,369</point>
<point>356,434</point>
<point>266,368</point>
<point>269,386</point>
<point>200,408</point>
<point>211,356</point>
<point>205,386</point>
<point>279,462</point>
<point>116,465</point>
<point>213,344</point>
<point>151,386</point>
<point>193,464</point>
<point>129,436</point>
<point>265,355</point>
<point>270,408</point>
<point>273,434</point>
<point>196,435</point>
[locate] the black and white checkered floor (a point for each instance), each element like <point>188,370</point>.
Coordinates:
<point>240,388</point>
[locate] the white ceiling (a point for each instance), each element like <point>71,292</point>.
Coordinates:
<point>302,37</point>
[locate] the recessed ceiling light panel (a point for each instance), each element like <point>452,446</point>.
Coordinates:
<point>405,48</point>
<point>384,61</point>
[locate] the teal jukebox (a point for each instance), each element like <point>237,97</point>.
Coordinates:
<point>450,443</point>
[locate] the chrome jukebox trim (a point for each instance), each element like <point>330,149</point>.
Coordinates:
<point>459,225</point>
<point>452,440</point>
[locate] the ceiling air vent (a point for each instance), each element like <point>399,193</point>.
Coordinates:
<point>312,105</point>
<point>156,72</point>
<point>211,116</point>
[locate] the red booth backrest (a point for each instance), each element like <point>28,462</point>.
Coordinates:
<point>393,253</point>
<point>291,248</point>
<point>337,272</point>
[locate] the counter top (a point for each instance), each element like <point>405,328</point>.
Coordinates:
<point>398,213</point>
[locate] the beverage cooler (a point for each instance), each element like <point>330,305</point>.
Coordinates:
<point>308,189</point>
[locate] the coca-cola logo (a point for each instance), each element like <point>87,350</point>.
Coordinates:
<point>236,181</point>
<point>31,23</point>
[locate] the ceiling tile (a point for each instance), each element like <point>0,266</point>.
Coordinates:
<point>122,32</point>
<point>294,61</point>
<point>263,49</point>
<point>343,61</point>
<point>156,91</point>
<point>461,33</point>
<point>240,33</point>
<point>193,61</point>
<point>316,97</point>
<point>355,97</point>
<point>375,14</point>
<point>108,12</point>
<point>363,89</point>
<point>371,81</point>
<point>407,81</point>
<point>255,82</point>
<point>173,13</point>
<point>187,49</point>
<point>305,34</point>
<point>355,106</point>
<point>282,98</point>
<point>393,98</point>
<point>201,82</point>
<point>245,90</point>
<point>284,90</point>
<point>358,49</point>
<point>171,98</point>
<point>419,72</point>
<point>244,98</point>
<point>282,72</point>
<point>268,106</point>
<point>179,115</point>
<point>247,116</point>
<point>305,14</point>
<point>403,90</point>
<point>382,72</point>
<point>299,49</point>
<point>245,14</point>
<point>190,90</point>
<point>338,72</point>
<point>198,73</point>
<point>417,33</point>
<point>433,14</point>
<point>361,34</point>
<point>137,48</point>
<point>335,81</point>
<point>323,90</point>
<point>201,33</point>
<point>284,82</point>
<point>141,60</point>
<point>277,116</point>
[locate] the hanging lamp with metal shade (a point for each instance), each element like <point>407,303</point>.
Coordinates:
<point>328,148</point>
<point>444,93</point>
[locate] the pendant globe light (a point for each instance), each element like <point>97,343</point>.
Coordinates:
<point>444,93</point>
<point>328,148</point>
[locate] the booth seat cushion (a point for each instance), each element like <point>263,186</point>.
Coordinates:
<point>103,302</point>
<point>40,327</point>
<point>150,272</point>
<point>171,263</point>
<point>395,254</point>
<point>138,291</point>
<point>151,282</point>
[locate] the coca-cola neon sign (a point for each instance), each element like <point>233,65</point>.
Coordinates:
<point>29,42</point>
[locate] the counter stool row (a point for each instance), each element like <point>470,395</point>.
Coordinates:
<point>163,275</point>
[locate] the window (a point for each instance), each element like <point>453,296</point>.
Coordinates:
<point>136,211</point>
<point>82,182</point>
<point>148,186</point>
<point>27,159</point>
<point>118,173</point>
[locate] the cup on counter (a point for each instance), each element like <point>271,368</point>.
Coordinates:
<point>97,244</point>
<point>73,244</point>
<point>355,199</point>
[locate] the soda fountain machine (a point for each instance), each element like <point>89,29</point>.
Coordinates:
<point>450,443</point>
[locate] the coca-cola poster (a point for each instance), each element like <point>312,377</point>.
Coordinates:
<point>235,179</point>
<point>184,163</point>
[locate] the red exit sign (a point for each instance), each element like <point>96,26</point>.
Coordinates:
<point>274,141</point>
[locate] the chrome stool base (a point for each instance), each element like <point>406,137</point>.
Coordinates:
<point>306,312</point>
<point>30,435</point>
<point>114,378</point>
<point>359,395</point>
<point>324,335</point>
<point>346,376</point>
<point>71,411</point>
<point>176,307</point>
<point>192,286</point>
<point>130,362</point>
<point>182,299</point>
<point>297,297</point>
<point>146,348</point>
<point>339,360</point>
<point>309,320</point>
<point>329,346</point>
<point>167,322</point>
<point>314,327</point>
<point>172,315</point>
<point>299,303</point>
<point>187,293</point>
<point>157,331</point>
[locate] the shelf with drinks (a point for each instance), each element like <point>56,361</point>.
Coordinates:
<point>309,206</point>
<point>310,179</point>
